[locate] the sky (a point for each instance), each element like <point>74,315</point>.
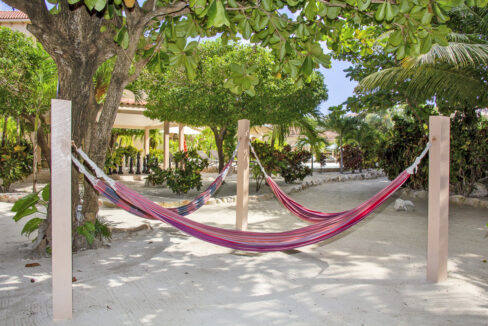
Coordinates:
<point>339,86</point>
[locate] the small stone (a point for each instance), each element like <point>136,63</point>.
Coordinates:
<point>403,205</point>
<point>473,202</point>
<point>457,199</point>
<point>421,194</point>
<point>479,190</point>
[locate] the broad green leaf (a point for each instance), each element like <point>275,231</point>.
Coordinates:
<point>24,213</point>
<point>31,226</point>
<point>46,192</point>
<point>25,202</point>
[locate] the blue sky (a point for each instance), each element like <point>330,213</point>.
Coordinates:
<point>339,86</point>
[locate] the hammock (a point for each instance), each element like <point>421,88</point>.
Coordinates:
<point>313,216</point>
<point>186,209</point>
<point>243,240</point>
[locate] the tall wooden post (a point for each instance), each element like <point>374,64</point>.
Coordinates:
<point>181,137</point>
<point>242,174</point>
<point>166,145</point>
<point>146,141</point>
<point>61,209</point>
<point>439,134</point>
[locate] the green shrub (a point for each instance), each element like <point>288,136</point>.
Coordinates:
<point>352,157</point>
<point>15,164</point>
<point>293,169</point>
<point>182,179</point>
<point>27,206</point>
<point>271,159</point>
<point>469,151</point>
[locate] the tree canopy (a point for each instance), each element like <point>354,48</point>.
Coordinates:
<point>206,101</point>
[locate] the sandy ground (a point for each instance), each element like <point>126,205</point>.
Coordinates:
<point>373,274</point>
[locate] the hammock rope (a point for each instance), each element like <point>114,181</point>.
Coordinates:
<point>137,204</point>
<point>185,209</point>
<point>314,216</point>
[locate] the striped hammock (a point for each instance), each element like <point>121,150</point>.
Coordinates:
<point>185,209</point>
<point>137,204</point>
<point>313,216</point>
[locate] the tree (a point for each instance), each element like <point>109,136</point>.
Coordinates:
<point>309,137</point>
<point>454,74</point>
<point>205,101</point>
<point>80,35</point>
<point>27,84</point>
<point>337,121</point>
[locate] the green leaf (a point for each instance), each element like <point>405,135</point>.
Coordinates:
<point>122,38</point>
<point>363,4</point>
<point>307,67</point>
<point>217,15</point>
<point>31,226</point>
<point>46,192</point>
<point>24,213</point>
<point>25,202</point>
<point>396,38</point>
<point>100,5</point>
<point>380,12</point>
<point>72,2</point>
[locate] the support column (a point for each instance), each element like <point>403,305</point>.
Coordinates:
<point>439,134</point>
<point>181,137</point>
<point>146,142</point>
<point>166,145</point>
<point>242,174</point>
<point>61,209</point>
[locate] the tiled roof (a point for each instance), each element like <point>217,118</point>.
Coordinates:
<point>13,14</point>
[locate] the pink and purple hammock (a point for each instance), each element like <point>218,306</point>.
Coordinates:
<point>325,225</point>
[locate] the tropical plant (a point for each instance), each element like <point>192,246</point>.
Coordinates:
<point>271,159</point>
<point>353,158</point>
<point>183,178</point>
<point>337,121</point>
<point>205,101</point>
<point>294,168</point>
<point>310,138</point>
<point>15,163</point>
<point>452,71</point>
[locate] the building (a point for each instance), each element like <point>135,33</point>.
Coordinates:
<point>15,20</point>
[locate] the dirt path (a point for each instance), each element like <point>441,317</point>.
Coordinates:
<point>373,274</point>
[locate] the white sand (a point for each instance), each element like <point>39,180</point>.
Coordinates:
<point>373,274</point>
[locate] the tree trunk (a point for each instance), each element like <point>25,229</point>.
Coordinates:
<point>4,131</point>
<point>312,165</point>
<point>219,142</point>
<point>340,148</point>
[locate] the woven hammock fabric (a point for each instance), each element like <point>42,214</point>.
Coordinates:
<point>184,210</point>
<point>314,216</point>
<point>246,240</point>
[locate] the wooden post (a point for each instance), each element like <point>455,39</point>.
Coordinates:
<point>166,145</point>
<point>242,174</point>
<point>181,137</point>
<point>146,141</point>
<point>61,209</point>
<point>439,134</point>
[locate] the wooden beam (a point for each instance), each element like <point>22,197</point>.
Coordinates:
<point>181,137</point>
<point>439,134</point>
<point>242,174</point>
<point>61,209</point>
<point>166,145</point>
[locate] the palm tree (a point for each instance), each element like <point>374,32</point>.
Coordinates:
<point>454,74</point>
<point>340,123</point>
<point>309,137</point>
